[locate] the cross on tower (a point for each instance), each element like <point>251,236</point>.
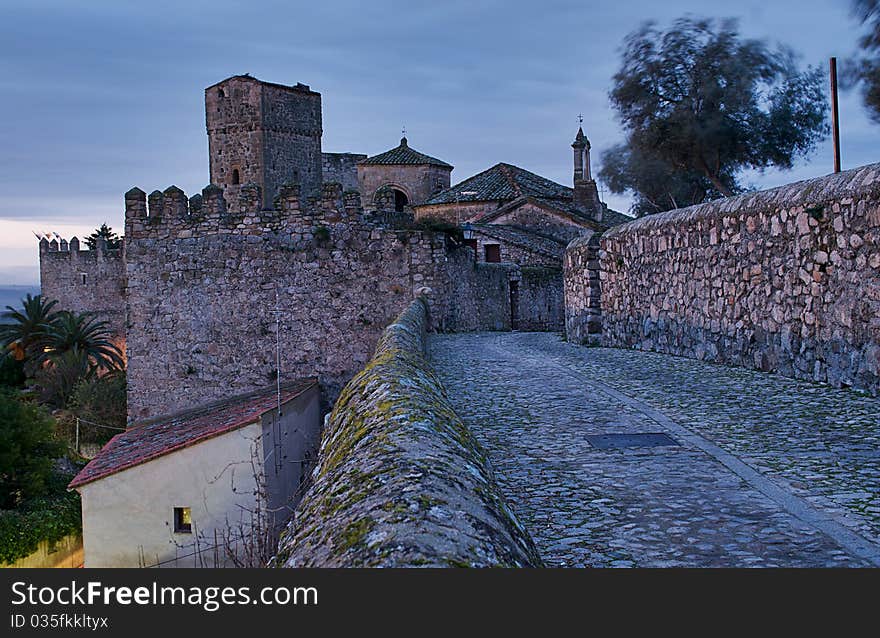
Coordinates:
<point>580,118</point>
<point>403,130</point>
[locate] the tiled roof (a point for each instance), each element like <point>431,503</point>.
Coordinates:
<point>164,435</point>
<point>502,182</point>
<point>613,218</point>
<point>403,154</point>
<point>524,238</point>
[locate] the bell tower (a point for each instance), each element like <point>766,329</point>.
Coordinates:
<point>586,193</point>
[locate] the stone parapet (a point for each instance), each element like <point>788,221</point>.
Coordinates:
<point>785,280</point>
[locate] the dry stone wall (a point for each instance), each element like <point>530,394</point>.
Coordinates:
<point>786,280</point>
<point>400,481</point>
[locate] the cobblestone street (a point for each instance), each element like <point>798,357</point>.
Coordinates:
<point>767,471</point>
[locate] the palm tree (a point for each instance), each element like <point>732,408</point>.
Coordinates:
<point>85,334</point>
<point>23,331</point>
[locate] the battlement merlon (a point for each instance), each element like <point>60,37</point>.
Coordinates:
<point>163,213</point>
<point>63,249</point>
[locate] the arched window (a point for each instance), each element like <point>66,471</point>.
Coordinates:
<point>221,93</point>
<point>236,179</point>
<point>400,200</point>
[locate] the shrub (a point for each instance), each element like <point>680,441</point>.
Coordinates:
<point>48,518</point>
<point>11,372</point>
<point>27,449</point>
<point>101,400</point>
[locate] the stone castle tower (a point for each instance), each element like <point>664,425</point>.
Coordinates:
<point>263,133</point>
<point>586,193</point>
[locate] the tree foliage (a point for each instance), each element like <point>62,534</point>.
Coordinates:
<point>23,330</point>
<point>104,232</point>
<point>27,449</point>
<point>85,334</point>
<point>866,68</point>
<point>100,400</point>
<point>699,105</point>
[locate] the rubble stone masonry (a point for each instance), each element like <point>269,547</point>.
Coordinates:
<point>85,280</point>
<point>785,280</point>
<point>206,284</point>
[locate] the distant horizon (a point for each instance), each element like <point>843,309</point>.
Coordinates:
<point>103,97</point>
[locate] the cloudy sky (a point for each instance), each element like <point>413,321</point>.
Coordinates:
<point>99,96</point>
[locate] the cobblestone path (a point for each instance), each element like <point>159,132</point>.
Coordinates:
<point>768,471</point>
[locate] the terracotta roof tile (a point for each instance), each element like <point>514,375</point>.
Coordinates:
<point>403,154</point>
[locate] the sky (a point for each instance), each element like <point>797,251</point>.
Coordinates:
<point>98,96</point>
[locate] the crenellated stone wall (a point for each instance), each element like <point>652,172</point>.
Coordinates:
<point>205,285</point>
<point>785,280</point>
<point>85,280</point>
<point>400,481</point>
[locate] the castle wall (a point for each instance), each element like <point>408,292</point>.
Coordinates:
<point>786,280</point>
<point>85,280</point>
<point>418,182</point>
<point>341,168</point>
<point>203,280</point>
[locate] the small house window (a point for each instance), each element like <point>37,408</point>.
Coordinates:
<point>235,177</point>
<point>493,253</point>
<point>182,520</point>
<point>83,277</point>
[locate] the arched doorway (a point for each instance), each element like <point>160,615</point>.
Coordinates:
<point>400,200</point>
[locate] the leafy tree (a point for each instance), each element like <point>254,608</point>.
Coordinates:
<point>58,378</point>
<point>656,186</point>
<point>23,331</point>
<point>83,333</point>
<point>866,69</point>
<point>101,400</point>
<point>700,104</point>
<point>104,232</point>
<point>27,449</point>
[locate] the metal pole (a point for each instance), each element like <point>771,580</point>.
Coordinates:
<point>835,121</point>
<point>77,435</point>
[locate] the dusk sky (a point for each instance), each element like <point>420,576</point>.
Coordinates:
<point>100,96</point>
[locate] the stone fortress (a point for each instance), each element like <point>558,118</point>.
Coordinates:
<point>320,250</point>
<point>307,264</point>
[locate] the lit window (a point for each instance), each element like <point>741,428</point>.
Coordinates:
<point>182,520</point>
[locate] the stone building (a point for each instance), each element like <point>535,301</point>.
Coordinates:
<point>537,214</point>
<point>277,268</point>
<point>400,178</point>
<point>263,133</point>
